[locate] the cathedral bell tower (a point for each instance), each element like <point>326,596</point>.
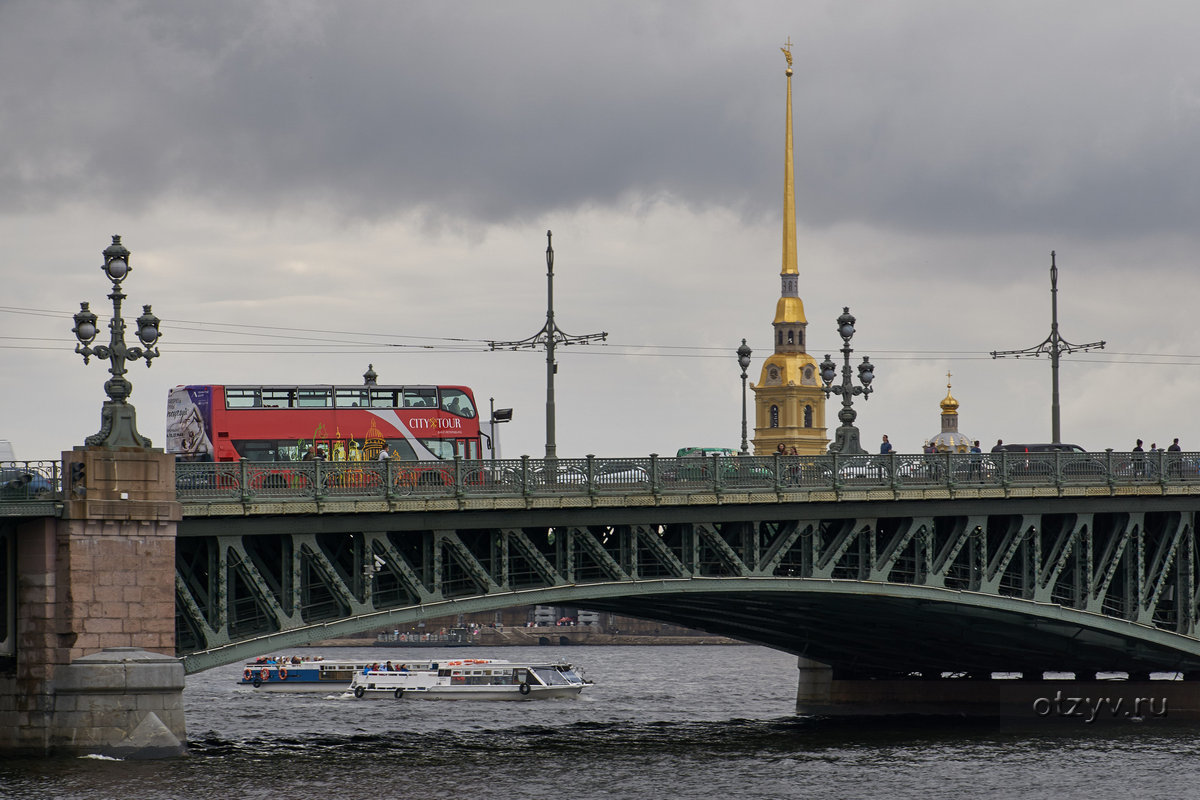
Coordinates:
<point>789,403</point>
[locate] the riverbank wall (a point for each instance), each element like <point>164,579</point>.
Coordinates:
<point>548,636</point>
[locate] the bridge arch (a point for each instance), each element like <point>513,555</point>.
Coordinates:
<point>857,627</point>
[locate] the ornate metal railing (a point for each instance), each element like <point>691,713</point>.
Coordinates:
<point>331,480</point>
<point>30,480</point>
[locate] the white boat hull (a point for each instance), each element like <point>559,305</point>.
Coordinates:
<point>470,679</point>
<point>468,693</point>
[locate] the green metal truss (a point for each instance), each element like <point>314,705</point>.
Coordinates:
<point>964,586</point>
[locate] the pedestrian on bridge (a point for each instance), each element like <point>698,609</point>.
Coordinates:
<point>1138,459</point>
<point>976,470</point>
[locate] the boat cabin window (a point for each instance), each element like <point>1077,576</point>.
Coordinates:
<point>550,677</point>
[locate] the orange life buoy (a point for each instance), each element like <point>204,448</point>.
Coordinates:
<point>247,674</point>
<point>265,674</point>
<point>282,674</point>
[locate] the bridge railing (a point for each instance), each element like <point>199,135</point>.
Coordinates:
<point>30,480</point>
<point>525,477</point>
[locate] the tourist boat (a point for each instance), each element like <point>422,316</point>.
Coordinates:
<point>470,679</point>
<point>307,674</point>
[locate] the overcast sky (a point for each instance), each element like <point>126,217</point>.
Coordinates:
<point>310,187</point>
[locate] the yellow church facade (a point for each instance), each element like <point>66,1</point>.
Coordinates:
<point>789,402</point>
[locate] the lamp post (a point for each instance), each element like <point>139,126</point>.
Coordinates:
<point>118,419</point>
<point>1056,346</point>
<point>846,439</point>
<point>498,415</point>
<point>743,354</point>
<point>550,336</point>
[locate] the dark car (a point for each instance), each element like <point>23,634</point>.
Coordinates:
<point>1075,461</point>
<point>18,483</point>
<point>1042,447</point>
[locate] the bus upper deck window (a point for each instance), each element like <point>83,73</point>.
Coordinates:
<point>242,397</point>
<point>278,397</point>
<point>313,398</point>
<point>458,402</point>
<point>351,397</point>
<point>383,398</point>
<point>423,397</point>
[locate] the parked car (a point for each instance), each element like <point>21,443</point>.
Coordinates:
<point>621,473</point>
<point>21,483</point>
<point>696,464</point>
<point>1074,461</point>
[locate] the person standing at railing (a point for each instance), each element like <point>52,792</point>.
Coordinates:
<point>886,447</point>
<point>976,461</point>
<point>1174,466</point>
<point>1138,459</point>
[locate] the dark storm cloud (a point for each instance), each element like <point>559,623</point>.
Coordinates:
<point>924,116</point>
<point>371,108</point>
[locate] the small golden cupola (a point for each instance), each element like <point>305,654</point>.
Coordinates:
<point>949,404</point>
<point>950,440</point>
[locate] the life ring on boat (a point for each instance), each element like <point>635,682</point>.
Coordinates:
<point>399,692</point>
<point>265,674</point>
<point>282,674</point>
<point>359,691</point>
<point>247,674</point>
<point>524,688</point>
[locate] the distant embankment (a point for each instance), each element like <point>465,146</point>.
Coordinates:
<point>557,637</point>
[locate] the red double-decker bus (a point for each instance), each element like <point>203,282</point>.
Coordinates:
<point>336,423</point>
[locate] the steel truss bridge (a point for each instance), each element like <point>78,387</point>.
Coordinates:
<point>875,565</point>
<point>961,564</point>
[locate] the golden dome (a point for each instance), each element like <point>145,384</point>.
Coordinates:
<point>949,404</point>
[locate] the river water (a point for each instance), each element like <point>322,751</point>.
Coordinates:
<point>661,722</point>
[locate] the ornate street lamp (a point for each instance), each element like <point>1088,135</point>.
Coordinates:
<point>118,420</point>
<point>846,439</point>
<point>743,354</point>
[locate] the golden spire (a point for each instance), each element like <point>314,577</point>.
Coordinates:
<point>790,307</point>
<point>789,182</point>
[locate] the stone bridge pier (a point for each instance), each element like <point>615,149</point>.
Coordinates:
<point>94,669</point>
